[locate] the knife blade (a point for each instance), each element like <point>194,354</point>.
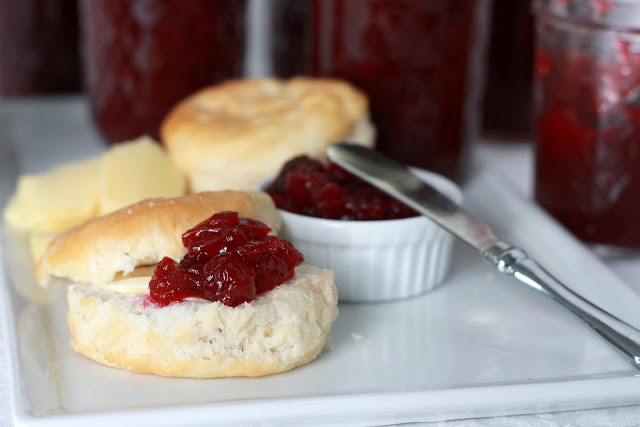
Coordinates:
<point>397,180</point>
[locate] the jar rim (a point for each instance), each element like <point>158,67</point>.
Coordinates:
<point>619,14</point>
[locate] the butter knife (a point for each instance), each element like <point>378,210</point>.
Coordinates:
<point>396,180</point>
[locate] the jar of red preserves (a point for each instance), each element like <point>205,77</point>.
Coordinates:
<point>39,51</point>
<point>143,56</point>
<point>419,61</point>
<point>587,117</point>
<point>508,94</point>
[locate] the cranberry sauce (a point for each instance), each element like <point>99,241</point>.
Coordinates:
<point>230,259</point>
<point>308,187</point>
<point>39,51</point>
<point>588,123</point>
<point>142,57</point>
<point>419,63</point>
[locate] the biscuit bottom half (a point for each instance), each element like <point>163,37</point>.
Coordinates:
<point>281,329</point>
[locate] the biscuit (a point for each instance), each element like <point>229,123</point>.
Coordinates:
<point>279,330</point>
<point>114,321</point>
<point>237,134</point>
<point>141,234</point>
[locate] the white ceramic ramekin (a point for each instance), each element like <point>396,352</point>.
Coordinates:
<point>377,260</point>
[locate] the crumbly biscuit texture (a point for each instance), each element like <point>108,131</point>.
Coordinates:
<point>279,330</point>
<point>141,234</point>
<point>239,133</point>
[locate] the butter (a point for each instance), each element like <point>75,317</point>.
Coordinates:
<point>55,200</point>
<point>38,242</point>
<point>43,205</point>
<point>137,283</point>
<point>136,171</point>
<point>131,285</point>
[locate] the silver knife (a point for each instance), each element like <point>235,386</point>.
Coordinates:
<point>396,180</point>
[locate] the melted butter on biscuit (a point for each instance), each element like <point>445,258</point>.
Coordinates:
<point>138,283</point>
<point>135,282</point>
<point>131,285</point>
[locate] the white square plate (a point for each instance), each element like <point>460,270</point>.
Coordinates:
<point>480,345</point>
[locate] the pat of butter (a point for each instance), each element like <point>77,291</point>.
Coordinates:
<point>138,285</point>
<point>131,285</point>
<point>55,200</point>
<point>38,243</point>
<point>135,171</point>
<point>43,205</point>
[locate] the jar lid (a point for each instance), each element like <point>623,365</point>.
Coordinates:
<point>622,14</point>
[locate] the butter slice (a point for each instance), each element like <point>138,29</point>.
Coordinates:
<point>137,285</point>
<point>38,243</point>
<point>131,285</point>
<point>135,171</point>
<point>44,205</point>
<point>55,200</point>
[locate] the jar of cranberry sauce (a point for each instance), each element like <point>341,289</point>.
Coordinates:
<point>39,51</point>
<point>419,61</point>
<point>587,117</point>
<point>143,56</point>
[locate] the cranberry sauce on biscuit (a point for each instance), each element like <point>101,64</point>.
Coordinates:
<point>230,259</point>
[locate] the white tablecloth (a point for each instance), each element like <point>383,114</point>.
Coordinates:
<point>30,125</point>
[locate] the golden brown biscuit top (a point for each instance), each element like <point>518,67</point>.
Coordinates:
<point>141,234</point>
<point>255,120</point>
<point>255,103</point>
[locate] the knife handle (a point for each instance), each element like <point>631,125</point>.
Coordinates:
<point>514,261</point>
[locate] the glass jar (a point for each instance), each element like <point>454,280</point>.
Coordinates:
<point>39,51</point>
<point>587,117</point>
<point>509,89</point>
<point>143,56</point>
<point>419,61</point>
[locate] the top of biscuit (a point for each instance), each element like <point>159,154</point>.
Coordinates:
<point>142,234</point>
<point>258,124</point>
